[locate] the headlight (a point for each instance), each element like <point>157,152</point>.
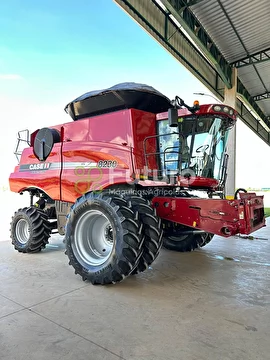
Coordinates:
<point>217,108</point>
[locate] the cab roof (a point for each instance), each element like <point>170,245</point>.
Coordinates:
<point>118,97</point>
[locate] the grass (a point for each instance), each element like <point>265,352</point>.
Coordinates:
<point>267,212</point>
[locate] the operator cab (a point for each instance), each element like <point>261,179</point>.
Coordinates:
<point>199,144</point>
<point>193,145</point>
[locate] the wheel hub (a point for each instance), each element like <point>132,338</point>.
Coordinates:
<point>22,231</point>
<point>109,234</point>
<point>93,238</point>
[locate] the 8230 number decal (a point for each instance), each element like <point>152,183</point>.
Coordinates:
<point>107,164</point>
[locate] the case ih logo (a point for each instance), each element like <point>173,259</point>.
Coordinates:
<point>35,167</point>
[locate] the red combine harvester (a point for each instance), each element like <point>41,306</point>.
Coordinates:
<point>133,171</point>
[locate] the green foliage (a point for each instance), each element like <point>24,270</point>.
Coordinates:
<point>267,212</point>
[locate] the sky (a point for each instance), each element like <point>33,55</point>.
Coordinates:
<point>54,51</point>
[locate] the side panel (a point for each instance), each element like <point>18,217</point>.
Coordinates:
<point>144,125</point>
<point>101,159</point>
<point>32,173</point>
<point>114,128</point>
<point>91,166</point>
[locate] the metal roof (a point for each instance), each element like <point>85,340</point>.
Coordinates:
<point>241,31</point>
<point>211,38</point>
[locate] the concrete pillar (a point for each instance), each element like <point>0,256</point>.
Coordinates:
<point>230,100</point>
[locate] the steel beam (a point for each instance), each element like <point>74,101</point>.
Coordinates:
<point>263,96</point>
<point>253,59</point>
<point>252,122</point>
<point>180,10</point>
<point>193,2</point>
<point>243,91</point>
<point>186,4</point>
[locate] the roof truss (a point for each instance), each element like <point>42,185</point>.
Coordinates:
<point>263,96</point>
<point>253,59</point>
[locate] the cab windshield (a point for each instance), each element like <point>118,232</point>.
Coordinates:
<point>198,144</point>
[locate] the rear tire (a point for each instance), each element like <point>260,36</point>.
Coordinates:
<point>30,230</point>
<point>185,243</point>
<point>103,238</point>
<point>207,237</point>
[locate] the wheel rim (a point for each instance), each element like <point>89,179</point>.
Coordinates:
<point>93,238</point>
<point>22,231</point>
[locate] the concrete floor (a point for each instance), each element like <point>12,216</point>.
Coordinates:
<point>210,304</point>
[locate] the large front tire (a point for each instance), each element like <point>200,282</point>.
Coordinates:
<point>103,238</point>
<point>151,229</point>
<point>30,230</point>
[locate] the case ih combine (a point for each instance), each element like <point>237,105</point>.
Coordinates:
<point>133,171</point>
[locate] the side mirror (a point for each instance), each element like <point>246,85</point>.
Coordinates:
<point>173,117</point>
